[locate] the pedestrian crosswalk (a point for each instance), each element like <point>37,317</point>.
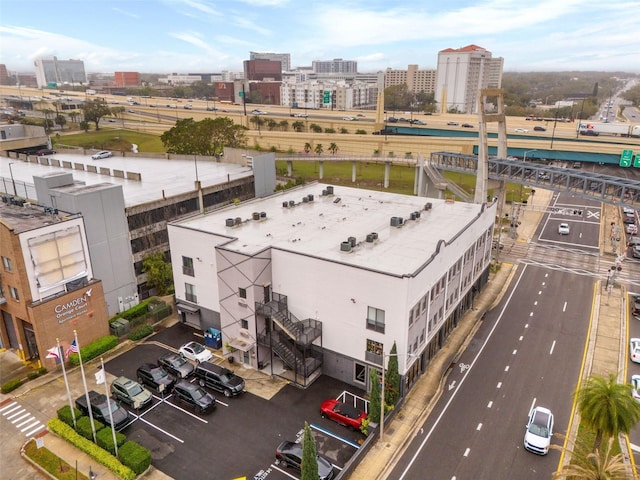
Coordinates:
<point>21,419</point>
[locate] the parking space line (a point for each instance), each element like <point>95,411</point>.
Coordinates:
<point>342,439</point>
<point>283,471</point>
<point>161,430</point>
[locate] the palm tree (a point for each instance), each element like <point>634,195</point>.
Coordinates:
<point>593,465</point>
<point>307,147</point>
<point>319,149</point>
<point>333,148</point>
<point>298,126</point>
<point>284,125</point>
<point>607,407</point>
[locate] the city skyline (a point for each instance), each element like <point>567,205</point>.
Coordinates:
<point>180,36</point>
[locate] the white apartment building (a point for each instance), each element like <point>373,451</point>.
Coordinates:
<point>312,94</point>
<point>322,279</point>
<point>415,79</point>
<point>461,73</point>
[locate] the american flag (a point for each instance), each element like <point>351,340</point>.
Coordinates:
<point>73,348</point>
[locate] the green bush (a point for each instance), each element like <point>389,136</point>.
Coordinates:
<point>11,385</point>
<point>94,349</point>
<point>135,456</point>
<point>83,427</point>
<point>138,311</point>
<point>143,331</point>
<point>36,373</point>
<point>105,440</point>
<point>64,414</point>
<point>102,456</point>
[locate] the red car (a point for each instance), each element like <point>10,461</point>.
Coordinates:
<point>342,413</point>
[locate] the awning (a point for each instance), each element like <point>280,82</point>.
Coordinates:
<point>186,308</point>
<point>241,344</point>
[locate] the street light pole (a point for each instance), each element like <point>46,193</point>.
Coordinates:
<point>15,192</point>
<point>524,159</point>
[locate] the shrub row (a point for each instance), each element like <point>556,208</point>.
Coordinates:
<point>17,382</point>
<point>138,333</point>
<point>94,349</point>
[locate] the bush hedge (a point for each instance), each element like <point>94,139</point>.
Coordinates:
<point>135,456</point>
<point>64,414</point>
<point>102,456</point>
<point>105,440</point>
<point>11,385</point>
<point>36,373</point>
<point>141,332</point>
<point>83,427</point>
<point>94,349</point>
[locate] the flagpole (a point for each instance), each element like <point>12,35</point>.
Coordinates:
<point>66,383</point>
<point>106,392</point>
<point>86,392</point>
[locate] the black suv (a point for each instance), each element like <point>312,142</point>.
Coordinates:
<point>194,395</point>
<point>219,378</point>
<point>155,377</point>
<point>100,406</point>
<point>176,365</point>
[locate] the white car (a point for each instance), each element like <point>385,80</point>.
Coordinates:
<point>521,130</point>
<point>258,112</point>
<point>349,119</point>
<point>101,154</point>
<point>539,429</point>
<point>300,115</point>
<point>635,387</point>
<point>563,229</point>
<point>634,350</point>
<point>195,351</point>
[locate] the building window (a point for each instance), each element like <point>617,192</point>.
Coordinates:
<point>187,266</point>
<point>14,293</point>
<point>375,319</point>
<point>190,293</point>
<point>360,373</point>
<point>242,292</point>
<point>244,323</point>
<point>6,263</point>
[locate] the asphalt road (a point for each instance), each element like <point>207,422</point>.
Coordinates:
<point>477,428</point>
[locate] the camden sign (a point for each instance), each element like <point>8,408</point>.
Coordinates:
<point>73,308</point>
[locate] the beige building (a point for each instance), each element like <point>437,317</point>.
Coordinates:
<point>415,79</point>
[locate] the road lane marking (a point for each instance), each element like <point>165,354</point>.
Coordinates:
<point>479,427</point>
<point>499,385</point>
<point>514,352</point>
<point>520,339</point>
<point>490,404</point>
<point>466,452</point>
<point>553,345</point>
<point>564,308</point>
<point>506,369</point>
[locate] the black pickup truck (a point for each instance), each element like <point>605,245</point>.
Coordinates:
<point>100,406</point>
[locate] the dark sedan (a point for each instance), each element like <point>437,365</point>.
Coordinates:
<point>194,395</point>
<point>289,454</point>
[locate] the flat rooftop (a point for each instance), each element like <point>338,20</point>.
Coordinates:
<point>318,227</point>
<point>159,177</point>
<point>23,217</point>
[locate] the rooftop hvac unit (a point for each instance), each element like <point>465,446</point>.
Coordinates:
<point>375,235</point>
<point>413,216</point>
<point>329,190</point>
<point>310,197</point>
<point>255,216</point>
<point>428,206</point>
<point>418,214</point>
<point>352,241</point>
<point>305,200</point>
<point>238,220</point>
<point>292,203</point>
<point>263,214</point>
<point>370,238</point>
<point>396,221</point>
<point>285,204</point>
<point>345,246</point>
<point>324,193</point>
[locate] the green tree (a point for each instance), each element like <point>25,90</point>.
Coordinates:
<point>283,125</point>
<point>119,112</point>
<point>61,120</point>
<point>47,123</point>
<point>333,148</point>
<point>309,469</point>
<point>374,397</point>
<point>587,464</point>
<point>94,110</point>
<point>392,378</point>
<point>307,147</point>
<point>314,127</point>
<point>158,272</point>
<point>206,137</point>
<point>271,124</point>
<point>74,115</point>
<point>607,407</point>
<point>318,149</point>
<point>84,125</point>
<point>298,126</point>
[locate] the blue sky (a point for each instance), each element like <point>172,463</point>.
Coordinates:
<point>181,36</point>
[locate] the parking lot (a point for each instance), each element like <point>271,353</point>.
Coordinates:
<point>239,437</point>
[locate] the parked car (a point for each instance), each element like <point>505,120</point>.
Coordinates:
<point>452,124</point>
<point>100,406</point>
<point>466,125</point>
<point>628,218</point>
<point>131,393</point>
<point>193,395</point>
<point>45,151</point>
<point>563,229</point>
<point>633,241</point>
<point>219,378</point>
<point>176,365</point>
<point>577,165</point>
<point>539,429</point>
<point>635,387</point>
<point>635,251</point>
<point>155,377</point>
<point>101,154</point>
<point>539,128</point>
<point>634,350</point>
<point>342,413</point>
<point>631,228</point>
<point>256,111</point>
<point>195,351</point>
<point>289,454</point>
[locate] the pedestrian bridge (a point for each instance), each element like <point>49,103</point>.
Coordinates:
<point>589,185</point>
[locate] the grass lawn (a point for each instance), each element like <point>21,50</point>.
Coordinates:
<point>108,139</point>
<point>52,463</point>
